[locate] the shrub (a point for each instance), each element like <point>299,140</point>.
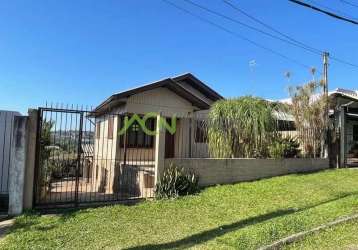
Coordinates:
<point>287,147</point>
<point>241,127</point>
<point>176,182</point>
<point>291,147</point>
<point>276,150</point>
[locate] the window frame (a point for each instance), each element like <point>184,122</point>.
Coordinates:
<point>201,134</point>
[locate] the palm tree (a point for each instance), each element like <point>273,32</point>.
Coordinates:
<point>313,73</point>
<point>308,110</point>
<point>288,76</point>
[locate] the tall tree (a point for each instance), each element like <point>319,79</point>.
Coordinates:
<point>308,110</point>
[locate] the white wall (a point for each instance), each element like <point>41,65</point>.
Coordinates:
<point>162,100</point>
<point>105,150</point>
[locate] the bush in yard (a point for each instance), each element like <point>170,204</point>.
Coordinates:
<point>291,147</point>
<point>284,147</point>
<point>176,182</point>
<point>241,127</point>
<point>276,150</point>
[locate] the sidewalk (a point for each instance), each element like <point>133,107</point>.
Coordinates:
<point>4,226</point>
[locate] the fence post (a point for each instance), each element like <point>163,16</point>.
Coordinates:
<point>17,166</point>
<point>31,131</point>
<point>159,149</point>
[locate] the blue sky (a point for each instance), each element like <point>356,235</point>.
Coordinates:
<point>81,52</point>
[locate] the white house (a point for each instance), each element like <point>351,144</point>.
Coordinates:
<point>132,154</point>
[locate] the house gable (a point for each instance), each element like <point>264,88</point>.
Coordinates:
<point>159,100</point>
<point>186,86</point>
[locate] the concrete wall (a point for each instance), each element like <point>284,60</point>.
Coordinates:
<point>31,133</point>
<point>225,171</point>
<point>6,128</point>
<point>17,169</point>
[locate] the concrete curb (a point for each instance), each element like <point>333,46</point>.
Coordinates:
<point>296,237</point>
<point>5,226</point>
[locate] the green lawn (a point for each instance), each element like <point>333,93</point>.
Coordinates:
<point>340,237</point>
<point>240,216</point>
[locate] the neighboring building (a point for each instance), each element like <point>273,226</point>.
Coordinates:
<point>344,114</point>
<point>183,96</point>
<point>344,110</point>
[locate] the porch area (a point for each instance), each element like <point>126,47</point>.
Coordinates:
<point>349,136</point>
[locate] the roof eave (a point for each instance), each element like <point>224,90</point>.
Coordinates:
<point>204,87</point>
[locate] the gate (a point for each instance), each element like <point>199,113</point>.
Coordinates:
<point>81,158</point>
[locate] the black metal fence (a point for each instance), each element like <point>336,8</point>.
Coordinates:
<point>83,157</point>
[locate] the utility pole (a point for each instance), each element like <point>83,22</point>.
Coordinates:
<point>326,101</point>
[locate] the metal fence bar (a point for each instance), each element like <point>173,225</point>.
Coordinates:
<point>196,144</point>
<point>78,165</point>
<point>80,159</point>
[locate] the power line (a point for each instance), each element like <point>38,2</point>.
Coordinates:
<point>292,42</point>
<point>349,3</point>
<point>287,36</point>
<point>312,50</point>
<point>331,9</point>
<point>324,11</point>
<point>344,62</point>
<point>270,27</point>
<point>236,34</point>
